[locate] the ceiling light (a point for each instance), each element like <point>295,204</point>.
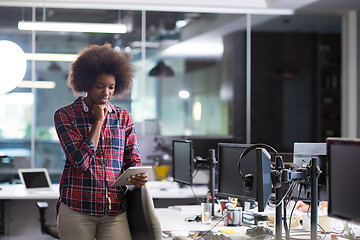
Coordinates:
<point>12,65</point>
<point>161,71</point>
<point>37,84</point>
<point>54,67</point>
<point>197,111</point>
<point>181,23</point>
<point>73,27</point>
<point>184,94</point>
<point>51,57</point>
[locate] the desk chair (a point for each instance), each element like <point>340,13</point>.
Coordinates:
<point>46,229</point>
<point>7,169</point>
<point>143,222</point>
<point>142,218</point>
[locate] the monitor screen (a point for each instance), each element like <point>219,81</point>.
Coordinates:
<point>230,183</point>
<point>182,161</point>
<point>264,183</point>
<point>344,165</point>
<point>256,162</point>
<point>35,178</point>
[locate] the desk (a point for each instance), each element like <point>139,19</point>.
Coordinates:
<point>172,219</point>
<point>18,192</point>
<point>21,215</point>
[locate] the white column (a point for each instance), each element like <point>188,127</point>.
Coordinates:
<point>248,78</point>
<point>350,65</point>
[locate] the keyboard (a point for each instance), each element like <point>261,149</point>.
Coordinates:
<point>213,236</point>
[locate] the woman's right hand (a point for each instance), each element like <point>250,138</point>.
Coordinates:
<point>100,111</point>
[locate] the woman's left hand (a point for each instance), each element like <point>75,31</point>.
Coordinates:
<point>138,180</point>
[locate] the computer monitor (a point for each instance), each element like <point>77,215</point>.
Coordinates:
<point>344,165</point>
<point>303,152</point>
<point>264,183</point>
<point>182,161</point>
<point>202,144</point>
<point>256,162</point>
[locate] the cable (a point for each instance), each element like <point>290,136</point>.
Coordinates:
<point>194,175</point>
<point>247,150</point>
<point>297,199</point>
<point>196,197</point>
<point>307,214</point>
<point>224,216</point>
<point>287,234</point>
<point>277,204</point>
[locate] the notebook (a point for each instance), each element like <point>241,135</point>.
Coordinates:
<point>35,179</point>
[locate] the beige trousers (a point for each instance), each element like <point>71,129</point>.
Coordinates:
<point>73,225</point>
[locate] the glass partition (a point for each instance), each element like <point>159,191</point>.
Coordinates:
<point>203,90</point>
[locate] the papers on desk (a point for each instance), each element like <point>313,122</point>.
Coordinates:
<point>231,231</point>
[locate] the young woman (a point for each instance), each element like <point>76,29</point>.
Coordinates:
<point>99,142</point>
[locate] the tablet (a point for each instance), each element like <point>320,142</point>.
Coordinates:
<point>122,180</point>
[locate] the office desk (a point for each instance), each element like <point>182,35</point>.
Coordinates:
<point>21,215</point>
<point>172,220</point>
<point>18,192</point>
<point>158,189</point>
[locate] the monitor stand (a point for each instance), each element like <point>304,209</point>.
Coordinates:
<point>314,175</point>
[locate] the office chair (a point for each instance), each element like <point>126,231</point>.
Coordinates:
<point>7,168</point>
<point>143,221</point>
<point>46,229</point>
<point>142,218</point>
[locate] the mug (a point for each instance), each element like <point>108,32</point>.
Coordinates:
<point>232,217</point>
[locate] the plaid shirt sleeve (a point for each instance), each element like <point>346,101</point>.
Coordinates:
<point>88,173</point>
<point>80,151</point>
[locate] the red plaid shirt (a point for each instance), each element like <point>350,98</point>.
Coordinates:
<point>88,172</point>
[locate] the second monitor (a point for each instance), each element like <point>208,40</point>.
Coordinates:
<point>183,161</point>
<point>256,163</point>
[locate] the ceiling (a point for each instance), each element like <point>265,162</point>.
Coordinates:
<point>227,6</point>
<point>161,23</point>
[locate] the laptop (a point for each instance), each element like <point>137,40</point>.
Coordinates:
<point>35,179</point>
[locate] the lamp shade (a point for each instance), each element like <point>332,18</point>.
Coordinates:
<point>161,71</point>
<point>12,65</point>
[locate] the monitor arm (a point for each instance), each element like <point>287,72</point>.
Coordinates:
<point>211,162</point>
<point>280,176</point>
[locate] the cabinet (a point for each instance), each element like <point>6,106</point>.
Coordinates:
<point>329,86</point>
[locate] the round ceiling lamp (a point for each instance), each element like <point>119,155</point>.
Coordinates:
<point>12,65</point>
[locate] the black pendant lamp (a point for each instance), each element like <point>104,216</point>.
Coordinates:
<point>161,71</point>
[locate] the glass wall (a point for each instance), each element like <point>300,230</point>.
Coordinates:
<point>296,63</point>
<point>295,85</point>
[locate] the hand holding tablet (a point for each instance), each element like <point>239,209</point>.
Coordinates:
<point>123,178</point>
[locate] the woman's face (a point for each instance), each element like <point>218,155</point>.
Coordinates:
<point>101,91</point>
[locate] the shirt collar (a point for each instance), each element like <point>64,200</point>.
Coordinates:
<point>86,108</point>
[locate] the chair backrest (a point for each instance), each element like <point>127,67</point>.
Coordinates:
<point>7,169</point>
<point>143,222</point>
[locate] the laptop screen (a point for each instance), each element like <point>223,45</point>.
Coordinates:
<point>34,179</point>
